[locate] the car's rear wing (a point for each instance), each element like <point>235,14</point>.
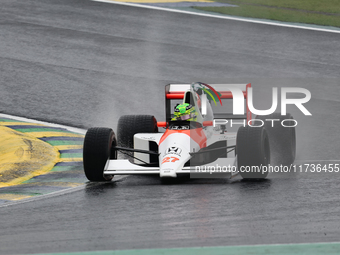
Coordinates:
<point>177,91</point>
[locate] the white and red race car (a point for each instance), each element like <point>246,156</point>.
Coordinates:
<point>202,146</point>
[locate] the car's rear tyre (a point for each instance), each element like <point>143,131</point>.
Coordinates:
<point>129,125</point>
<point>253,152</point>
<point>282,139</point>
<point>97,151</point>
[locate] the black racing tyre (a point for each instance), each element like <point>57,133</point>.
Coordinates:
<point>97,151</point>
<point>282,139</point>
<point>253,152</point>
<point>129,125</point>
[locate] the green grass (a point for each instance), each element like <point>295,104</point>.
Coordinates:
<point>319,12</point>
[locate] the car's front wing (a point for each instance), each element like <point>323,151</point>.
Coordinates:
<point>125,167</point>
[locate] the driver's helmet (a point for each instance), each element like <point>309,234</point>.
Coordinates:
<point>185,112</point>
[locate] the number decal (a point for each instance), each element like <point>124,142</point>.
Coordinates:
<point>174,159</point>
<point>169,159</point>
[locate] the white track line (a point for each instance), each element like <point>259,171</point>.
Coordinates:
<point>278,23</point>
<point>48,195</point>
<point>72,129</point>
<point>60,192</point>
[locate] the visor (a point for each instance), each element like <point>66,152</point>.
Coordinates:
<point>188,116</point>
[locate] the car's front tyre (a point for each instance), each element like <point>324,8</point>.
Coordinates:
<point>97,151</point>
<point>253,152</point>
<point>282,139</point>
<point>129,125</point>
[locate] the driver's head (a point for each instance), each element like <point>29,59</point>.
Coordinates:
<point>185,112</point>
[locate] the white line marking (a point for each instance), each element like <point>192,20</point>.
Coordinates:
<point>48,195</point>
<point>59,192</point>
<point>278,23</point>
<point>72,129</point>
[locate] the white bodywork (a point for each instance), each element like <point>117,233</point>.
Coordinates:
<point>184,143</point>
<point>174,150</point>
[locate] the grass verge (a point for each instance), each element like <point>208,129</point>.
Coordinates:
<point>318,12</point>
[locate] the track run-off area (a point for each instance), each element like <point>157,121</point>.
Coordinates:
<point>37,159</point>
<point>86,63</point>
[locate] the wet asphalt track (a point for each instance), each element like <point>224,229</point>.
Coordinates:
<point>84,64</point>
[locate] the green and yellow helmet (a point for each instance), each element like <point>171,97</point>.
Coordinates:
<point>185,112</point>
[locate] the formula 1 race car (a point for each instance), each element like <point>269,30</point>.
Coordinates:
<point>193,142</point>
